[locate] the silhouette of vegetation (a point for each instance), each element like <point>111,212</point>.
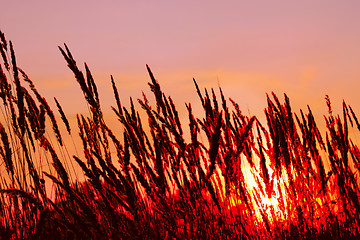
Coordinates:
<point>157,184</point>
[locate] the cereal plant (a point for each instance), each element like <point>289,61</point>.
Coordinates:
<point>234,177</point>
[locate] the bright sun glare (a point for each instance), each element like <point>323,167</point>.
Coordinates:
<point>263,204</point>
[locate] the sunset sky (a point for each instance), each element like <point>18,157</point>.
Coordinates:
<point>304,48</point>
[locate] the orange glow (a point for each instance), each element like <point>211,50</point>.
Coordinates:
<point>305,49</point>
<point>162,165</point>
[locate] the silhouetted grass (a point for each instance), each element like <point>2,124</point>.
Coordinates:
<point>158,184</point>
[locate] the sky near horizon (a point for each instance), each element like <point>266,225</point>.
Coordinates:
<point>304,48</point>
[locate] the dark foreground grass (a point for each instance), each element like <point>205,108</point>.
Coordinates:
<point>158,184</point>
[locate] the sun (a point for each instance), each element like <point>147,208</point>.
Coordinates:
<point>270,206</point>
<point>273,206</point>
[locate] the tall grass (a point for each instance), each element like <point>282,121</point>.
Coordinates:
<point>161,185</point>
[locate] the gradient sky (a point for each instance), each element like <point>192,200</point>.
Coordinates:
<point>304,48</point>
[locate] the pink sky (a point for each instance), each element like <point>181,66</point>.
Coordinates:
<point>306,49</point>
